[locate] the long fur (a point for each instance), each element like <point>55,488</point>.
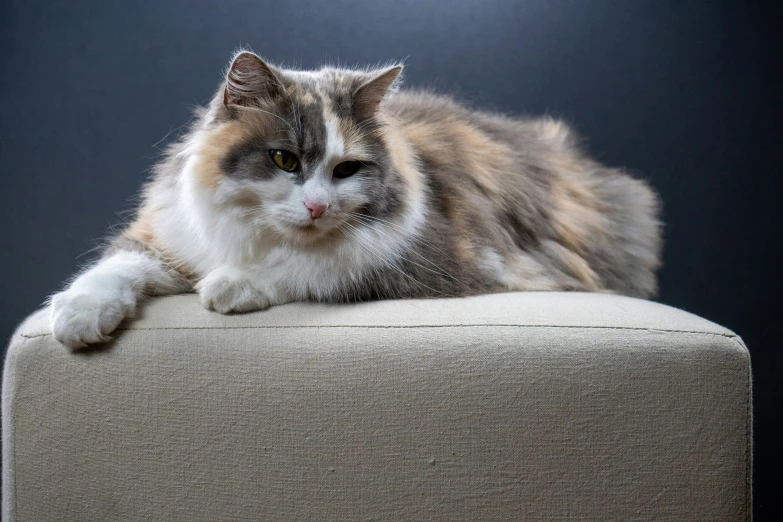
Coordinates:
<point>448,201</point>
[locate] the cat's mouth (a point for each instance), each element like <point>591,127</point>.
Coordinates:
<point>309,231</point>
<point>309,228</point>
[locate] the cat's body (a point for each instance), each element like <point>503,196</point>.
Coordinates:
<point>299,186</point>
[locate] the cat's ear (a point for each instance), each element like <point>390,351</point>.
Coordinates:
<point>250,82</point>
<point>367,97</point>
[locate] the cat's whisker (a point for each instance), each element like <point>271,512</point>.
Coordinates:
<point>90,251</point>
<point>252,212</point>
<point>373,268</point>
<point>377,246</point>
<point>418,238</point>
<point>293,140</point>
<point>402,230</point>
<point>275,115</point>
<point>436,270</point>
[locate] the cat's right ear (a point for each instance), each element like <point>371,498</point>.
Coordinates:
<point>250,82</point>
<point>368,96</point>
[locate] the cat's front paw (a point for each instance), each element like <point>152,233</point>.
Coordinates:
<point>231,290</point>
<point>87,316</point>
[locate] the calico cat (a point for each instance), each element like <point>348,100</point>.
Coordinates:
<point>332,186</point>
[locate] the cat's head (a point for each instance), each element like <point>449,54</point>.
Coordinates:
<point>304,155</point>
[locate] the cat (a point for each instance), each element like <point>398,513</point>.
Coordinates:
<point>334,186</point>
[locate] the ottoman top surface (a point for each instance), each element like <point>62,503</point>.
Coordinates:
<point>524,309</point>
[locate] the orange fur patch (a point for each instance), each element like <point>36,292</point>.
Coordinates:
<point>306,98</point>
<point>579,268</point>
<point>483,157</point>
<point>143,230</point>
<point>577,218</point>
<point>211,151</point>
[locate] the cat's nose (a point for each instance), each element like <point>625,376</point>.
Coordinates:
<point>316,208</point>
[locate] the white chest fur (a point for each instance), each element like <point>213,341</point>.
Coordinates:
<point>205,238</point>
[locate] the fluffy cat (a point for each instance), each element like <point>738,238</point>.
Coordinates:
<point>332,186</point>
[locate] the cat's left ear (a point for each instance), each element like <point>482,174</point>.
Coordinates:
<point>367,97</point>
<point>250,82</point>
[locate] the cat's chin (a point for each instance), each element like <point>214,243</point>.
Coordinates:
<point>307,234</point>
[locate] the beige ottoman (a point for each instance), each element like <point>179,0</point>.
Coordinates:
<point>537,406</point>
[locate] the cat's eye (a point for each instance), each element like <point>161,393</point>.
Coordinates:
<point>285,160</point>
<point>346,169</point>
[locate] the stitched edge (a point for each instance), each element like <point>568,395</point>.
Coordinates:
<point>748,433</point>
<point>10,501</point>
<point>404,327</point>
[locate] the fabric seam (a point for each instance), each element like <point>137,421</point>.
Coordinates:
<point>406,327</point>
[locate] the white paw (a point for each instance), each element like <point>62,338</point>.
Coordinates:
<point>228,290</point>
<point>87,316</point>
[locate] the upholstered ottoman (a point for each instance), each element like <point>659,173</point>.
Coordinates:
<point>537,406</point>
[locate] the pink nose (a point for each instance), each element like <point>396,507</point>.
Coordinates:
<point>316,208</point>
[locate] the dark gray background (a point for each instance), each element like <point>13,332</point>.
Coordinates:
<point>687,94</point>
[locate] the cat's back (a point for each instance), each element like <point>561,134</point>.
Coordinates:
<point>526,181</point>
<point>487,148</point>
<point>479,161</point>
<point>439,117</point>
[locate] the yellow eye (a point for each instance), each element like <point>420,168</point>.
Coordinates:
<point>285,160</point>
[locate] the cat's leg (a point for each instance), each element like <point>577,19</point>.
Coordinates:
<point>230,289</point>
<point>99,299</point>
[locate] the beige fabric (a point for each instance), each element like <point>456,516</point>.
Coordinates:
<point>538,406</point>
